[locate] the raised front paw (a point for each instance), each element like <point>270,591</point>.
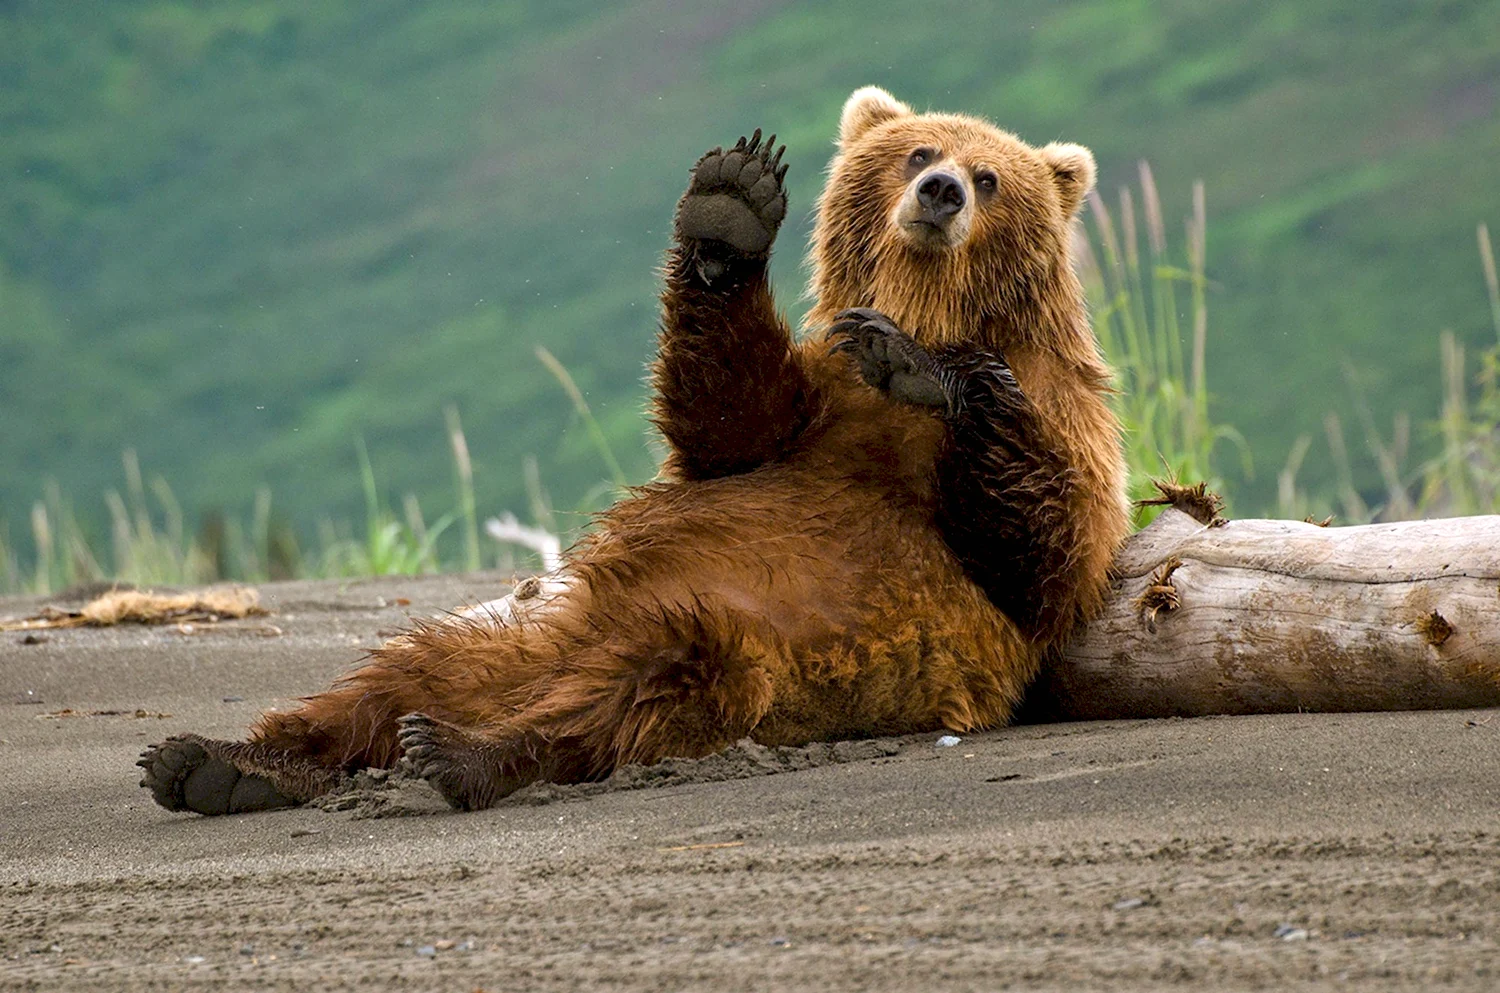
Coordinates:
<point>889,360</point>
<point>735,198</point>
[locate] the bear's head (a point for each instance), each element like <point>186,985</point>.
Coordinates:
<point>958,230</point>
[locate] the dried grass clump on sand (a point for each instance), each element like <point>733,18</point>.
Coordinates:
<point>145,607</point>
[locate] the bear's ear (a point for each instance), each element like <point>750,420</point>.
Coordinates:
<point>865,108</point>
<point>1073,168</point>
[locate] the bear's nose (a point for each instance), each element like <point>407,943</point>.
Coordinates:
<point>941,195</point>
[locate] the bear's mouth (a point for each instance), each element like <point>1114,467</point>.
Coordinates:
<point>928,233</point>
<point>929,230</point>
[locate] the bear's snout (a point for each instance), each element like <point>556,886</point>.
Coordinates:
<point>941,195</point>
<point>936,211</point>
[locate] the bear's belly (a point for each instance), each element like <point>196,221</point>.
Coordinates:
<point>856,587</point>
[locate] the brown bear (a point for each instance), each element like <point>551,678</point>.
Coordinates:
<point>883,530</point>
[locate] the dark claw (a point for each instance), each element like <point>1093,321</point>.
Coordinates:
<point>845,325</point>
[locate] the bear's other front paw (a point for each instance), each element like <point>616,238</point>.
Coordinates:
<point>735,198</point>
<point>889,360</point>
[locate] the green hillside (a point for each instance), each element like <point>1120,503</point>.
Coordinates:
<point>236,236</point>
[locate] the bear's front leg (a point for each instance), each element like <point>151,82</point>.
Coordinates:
<point>730,391</point>
<point>1005,490</point>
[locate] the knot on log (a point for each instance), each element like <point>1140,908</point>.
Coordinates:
<point>1197,501</point>
<point>1160,595</point>
<point>527,588</point>
<point>1435,628</point>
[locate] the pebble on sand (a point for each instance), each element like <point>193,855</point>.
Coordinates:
<point>947,741</point>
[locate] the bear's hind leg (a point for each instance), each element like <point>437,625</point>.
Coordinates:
<point>297,755</point>
<point>691,693</point>
<point>290,757</point>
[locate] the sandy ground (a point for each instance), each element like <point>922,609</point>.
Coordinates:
<point>1298,852</point>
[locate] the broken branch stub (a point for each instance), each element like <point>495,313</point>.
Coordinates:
<point>1262,616</point>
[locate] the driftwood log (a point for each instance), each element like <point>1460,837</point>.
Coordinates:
<point>1260,616</point>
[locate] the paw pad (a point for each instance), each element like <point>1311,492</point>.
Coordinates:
<point>419,748</point>
<point>736,197</point>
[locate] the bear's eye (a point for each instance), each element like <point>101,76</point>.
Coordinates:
<point>920,157</point>
<point>986,182</point>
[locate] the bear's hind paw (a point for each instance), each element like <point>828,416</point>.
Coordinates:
<point>182,774</point>
<point>449,760</point>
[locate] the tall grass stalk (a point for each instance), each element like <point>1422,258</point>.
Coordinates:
<point>1491,283</point>
<point>1162,392</point>
<point>1290,499</point>
<point>1464,476</point>
<point>463,483</point>
<point>596,433</point>
<point>391,545</point>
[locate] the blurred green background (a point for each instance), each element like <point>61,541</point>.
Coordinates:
<point>238,236</point>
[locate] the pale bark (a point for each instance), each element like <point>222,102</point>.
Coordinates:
<point>1274,616</point>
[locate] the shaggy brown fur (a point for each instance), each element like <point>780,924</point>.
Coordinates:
<point>822,559</point>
